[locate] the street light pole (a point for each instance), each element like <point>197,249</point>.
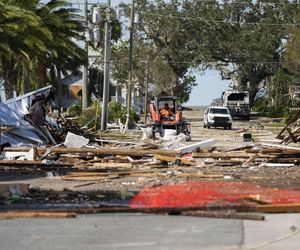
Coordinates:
<point>146,91</point>
<point>106,68</point>
<point>129,87</point>
<point>85,66</point>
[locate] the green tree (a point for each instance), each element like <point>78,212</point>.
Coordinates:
<point>21,37</point>
<point>38,37</point>
<point>162,42</point>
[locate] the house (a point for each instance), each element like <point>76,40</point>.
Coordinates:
<point>71,89</point>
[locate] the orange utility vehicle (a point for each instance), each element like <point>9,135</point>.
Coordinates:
<point>173,121</point>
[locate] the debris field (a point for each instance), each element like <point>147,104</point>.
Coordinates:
<point>64,170</point>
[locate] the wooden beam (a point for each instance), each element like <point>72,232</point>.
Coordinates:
<point>278,208</point>
<point>224,215</point>
<point>171,210</point>
<point>16,163</point>
<point>100,151</point>
<point>35,214</point>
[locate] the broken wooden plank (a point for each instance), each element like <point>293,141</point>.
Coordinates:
<point>112,165</point>
<point>100,151</point>
<point>220,155</point>
<point>79,176</point>
<point>257,199</point>
<point>224,215</point>
<point>88,178</point>
<point>276,165</point>
<point>278,208</point>
<point>282,147</point>
<point>35,214</point>
<point>171,158</point>
<point>293,119</point>
<point>291,135</point>
<point>27,163</point>
<point>123,209</point>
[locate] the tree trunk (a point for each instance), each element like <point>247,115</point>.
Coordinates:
<point>42,75</point>
<point>252,93</point>
<point>59,90</point>
<point>26,84</point>
<point>9,77</point>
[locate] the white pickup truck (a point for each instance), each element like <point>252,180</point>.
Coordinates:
<point>217,116</point>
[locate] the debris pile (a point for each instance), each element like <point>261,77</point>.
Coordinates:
<point>291,132</point>
<point>175,177</point>
<point>24,121</point>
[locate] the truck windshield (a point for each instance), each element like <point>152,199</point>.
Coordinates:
<point>218,111</point>
<point>237,97</point>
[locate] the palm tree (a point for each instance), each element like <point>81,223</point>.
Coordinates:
<point>36,37</point>
<point>64,53</point>
<point>21,36</point>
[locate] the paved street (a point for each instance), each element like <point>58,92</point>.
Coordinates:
<point>127,231</point>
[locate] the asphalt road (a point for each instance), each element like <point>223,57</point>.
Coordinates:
<point>128,231</point>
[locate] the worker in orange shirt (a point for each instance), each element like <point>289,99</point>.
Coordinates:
<point>166,112</point>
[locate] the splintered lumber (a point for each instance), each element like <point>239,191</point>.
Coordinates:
<point>278,208</point>
<point>224,215</point>
<point>112,165</point>
<point>35,214</point>
<point>88,178</point>
<point>257,199</point>
<point>232,162</point>
<point>276,165</point>
<point>100,151</point>
<point>170,158</point>
<point>291,135</point>
<point>249,161</point>
<point>119,209</point>
<point>220,155</point>
<point>91,176</point>
<point>286,148</point>
<point>293,119</point>
<point>33,163</point>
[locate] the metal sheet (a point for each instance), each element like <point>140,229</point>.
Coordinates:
<point>11,114</point>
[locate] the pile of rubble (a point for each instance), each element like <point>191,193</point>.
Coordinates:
<point>291,132</point>
<point>24,121</point>
<point>33,143</point>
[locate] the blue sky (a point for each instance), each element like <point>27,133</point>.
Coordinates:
<point>210,86</point>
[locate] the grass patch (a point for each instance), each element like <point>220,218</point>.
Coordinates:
<point>274,125</point>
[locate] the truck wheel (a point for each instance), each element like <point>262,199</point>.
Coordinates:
<point>208,126</point>
<point>229,126</point>
<point>204,126</point>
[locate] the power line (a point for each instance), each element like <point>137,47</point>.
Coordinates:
<point>222,21</point>
<point>215,62</point>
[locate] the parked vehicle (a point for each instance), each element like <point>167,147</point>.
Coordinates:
<point>217,116</point>
<point>237,102</point>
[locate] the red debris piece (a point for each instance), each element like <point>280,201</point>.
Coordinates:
<point>203,193</point>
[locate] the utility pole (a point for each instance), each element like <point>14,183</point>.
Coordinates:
<point>146,90</point>
<point>86,63</point>
<point>129,87</point>
<point>106,68</point>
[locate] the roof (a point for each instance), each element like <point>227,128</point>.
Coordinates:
<point>218,107</point>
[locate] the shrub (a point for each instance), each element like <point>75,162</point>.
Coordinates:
<point>74,110</point>
<point>115,112</point>
<point>261,104</point>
